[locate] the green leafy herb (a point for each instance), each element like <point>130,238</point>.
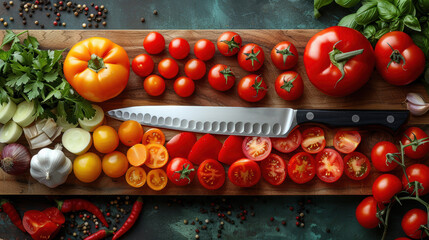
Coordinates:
<point>319,4</point>
<point>347,3</point>
<point>367,13</point>
<point>412,22</point>
<point>350,21</point>
<point>387,10</point>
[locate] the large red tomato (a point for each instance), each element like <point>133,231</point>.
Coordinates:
<point>331,64</point>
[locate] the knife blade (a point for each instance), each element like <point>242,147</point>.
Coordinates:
<point>262,121</point>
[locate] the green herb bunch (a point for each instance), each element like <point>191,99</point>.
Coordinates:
<point>28,73</point>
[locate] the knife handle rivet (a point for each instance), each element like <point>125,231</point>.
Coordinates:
<point>390,119</point>
<point>309,116</point>
<point>355,118</point>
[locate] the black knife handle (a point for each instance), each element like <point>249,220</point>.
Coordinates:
<point>354,118</point>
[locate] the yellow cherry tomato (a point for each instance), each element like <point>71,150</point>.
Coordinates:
<point>87,167</point>
<point>115,164</point>
<point>135,177</point>
<point>130,133</point>
<point>157,179</point>
<point>106,139</point>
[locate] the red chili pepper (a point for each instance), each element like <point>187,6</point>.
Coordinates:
<point>135,212</point>
<point>10,210</point>
<point>77,204</point>
<point>99,235</point>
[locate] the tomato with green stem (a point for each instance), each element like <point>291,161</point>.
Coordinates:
<point>204,49</point>
<point>284,55</point>
<point>179,48</point>
<point>412,221</point>
<point>289,85</point>
<point>416,172</point>
<point>244,173</point>
<point>274,169</point>
<point>252,88</point>
<point>229,43</point>
<point>184,86</point>
<point>301,168</point>
<point>366,212</point>
<point>221,77</point>
<point>180,171</point>
<point>251,57</point>
<point>385,187</point>
<point>415,137</point>
<point>195,69</point>
<point>380,154</point>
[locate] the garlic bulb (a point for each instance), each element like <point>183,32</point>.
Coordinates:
<point>416,104</point>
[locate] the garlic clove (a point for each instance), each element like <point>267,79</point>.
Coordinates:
<point>416,104</point>
<point>415,99</point>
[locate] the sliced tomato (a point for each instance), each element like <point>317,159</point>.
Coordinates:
<point>153,135</point>
<point>244,173</point>
<point>181,144</point>
<point>55,215</point>
<point>158,155</point>
<point>330,165</point>
<point>157,179</point>
<point>136,177</point>
<point>346,141</point>
<point>256,148</point>
<point>274,169</point>
<point>231,150</point>
<point>207,147</point>
<point>211,174</point>
<point>289,143</point>
<point>357,166</point>
<point>301,167</point>
<point>313,140</point>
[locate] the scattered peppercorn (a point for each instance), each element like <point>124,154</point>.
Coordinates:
<point>142,19</point>
<point>297,224</point>
<point>197,236</point>
<point>277,229</point>
<point>156,207</point>
<point>84,25</point>
<point>272,219</point>
<point>155,12</point>
<point>185,222</point>
<point>283,222</point>
<point>11,19</point>
<point>302,225</point>
<point>5,24</point>
<point>301,214</point>
<point>36,22</point>
<point>328,230</point>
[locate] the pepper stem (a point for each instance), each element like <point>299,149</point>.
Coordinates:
<point>96,63</point>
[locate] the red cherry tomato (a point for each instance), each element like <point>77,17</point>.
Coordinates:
<point>284,55</point>
<point>415,133</point>
<point>274,169</point>
<point>207,147</point>
<point>181,144</point>
<point>184,86</point>
<point>289,85</point>
<point>142,65</point>
<point>411,222</point>
<point>195,69</point>
<point>180,171</point>
<point>251,57</point>
<point>231,150</point>
<point>211,174</point>
<point>154,85</point>
<point>330,165</point>
<point>378,156</point>
<point>252,88</point>
<point>229,43</point>
<point>313,140</point>
<point>346,141</point>
<point>301,168</point>
<point>417,172</point>
<point>357,166</point>
<point>288,144</point>
<point>179,48</point>
<point>168,68</point>
<point>385,187</point>
<point>366,212</point>
<point>204,49</point>
<point>244,173</point>
<point>256,148</point>
<point>221,77</point>
<point>154,43</point>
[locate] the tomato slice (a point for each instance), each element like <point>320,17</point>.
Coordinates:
<point>346,141</point>
<point>137,155</point>
<point>211,174</point>
<point>157,179</point>
<point>289,143</point>
<point>274,169</point>
<point>181,144</point>
<point>301,168</point>
<point>244,173</point>
<point>256,148</point>
<point>158,155</point>
<point>231,150</point>
<point>330,165</point>
<point>357,166</point>
<point>55,215</point>
<point>207,147</point>
<point>313,140</point>
<point>153,135</point>
<point>136,177</point>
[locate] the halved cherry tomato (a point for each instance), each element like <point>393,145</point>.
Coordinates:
<point>168,68</point>
<point>142,65</point>
<point>207,147</point>
<point>357,166</point>
<point>180,171</point>
<point>158,155</point>
<point>284,55</point>
<point>301,167</point>
<point>244,173</point>
<point>313,140</point>
<point>154,85</point>
<point>195,69</point>
<point>181,144</point>
<point>106,139</point>
<point>157,179</point>
<point>256,148</point>
<point>135,177</point>
<point>229,43</point>
<point>289,143</point>
<point>115,164</point>
<point>346,141</point>
<point>330,165</point>
<point>231,150</point>
<point>137,155</point>
<point>39,225</point>
<point>251,57</point>
<point>154,43</point>
<point>204,49</point>
<point>179,48</point>
<point>211,174</point>
<point>130,132</point>
<point>184,86</point>
<point>274,169</point>
<point>153,135</point>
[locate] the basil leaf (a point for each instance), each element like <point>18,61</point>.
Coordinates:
<point>347,3</point>
<point>404,6</point>
<point>367,13</point>
<point>412,23</point>
<point>423,5</point>
<point>369,31</point>
<point>422,42</point>
<point>397,25</point>
<point>387,10</point>
<point>319,4</point>
<point>382,24</point>
<point>381,32</point>
<point>349,21</point>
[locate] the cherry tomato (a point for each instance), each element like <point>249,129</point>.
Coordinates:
<point>346,141</point>
<point>289,85</point>
<point>179,48</point>
<point>180,171</point>
<point>252,88</point>
<point>142,65</point>
<point>211,174</point>
<point>154,43</point>
<point>416,134</point>
<point>135,177</point>
<point>184,86</point>
<point>385,187</point>
<point>313,140</point>
<point>168,68</point>
<point>366,213</point>
<point>274,169</point>
<point>301,168</point>
<point>229,43</point>
<point>251,57</point>
<point>137,155</point>
<point>244,173</point>
<point>207,147</point>
<point>154,85</point>
<point>289,143</point>
<point>153,135</point>
<point>256,148</point>
<point>412,221</point>
<point>87,167</point>
<point>195,69</point>
<point>204,49</point>
<point>284,55</point>
<point>378,156</point>
<point>157,179</point>
<point>181,144</point>
<point>114,164</point>
<point>221,77</point>
<point>330,165</point>
<point>106,139</point>
<point>231,150</point>
<point>357,166</point>
<point>417,172</point>
<point>130,132</point>
<point>158,155</point>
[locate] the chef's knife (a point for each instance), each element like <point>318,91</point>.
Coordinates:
<point>268,122</point>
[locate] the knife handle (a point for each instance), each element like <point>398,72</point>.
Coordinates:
<point>354,118</point>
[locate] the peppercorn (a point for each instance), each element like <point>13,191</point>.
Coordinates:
<point>185,222</point>
<point>272,219</point>
<point>96,26</point>
<point>156,207</point>
<point>204,227</point>
<point>243,218</point>
<point>61,2</point>
<point>1,19</point>
<point>5,24</point>
<point>76,14</point>
<point>297,217</point>
<point>229,212</point>
<point>7,7</point>
<point>207,221</point>
<point>102,6</point>
<point>252,214</point>
<point>57,19</point>
<point>11,19</point>
<point>84,25</point>
<point>197,236</point>
<point>36,22</point>
<point>108,214</point>
<point>30,15</point>
<point>142,19</point>
<point>301,225</point>
<point>42,26</point>
<point>21,14</point>
<point>114,229</point>
<point>301,214</point>
<point>104,23</point>
<point>328,230</point>
<point>283,222</point>
<point>197,230</point>
<point>10,2</point>
<point>192,223</point>
<point>291,208</point>
<point>155,12</point>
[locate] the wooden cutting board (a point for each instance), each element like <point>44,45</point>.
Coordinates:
<point>376,94</point>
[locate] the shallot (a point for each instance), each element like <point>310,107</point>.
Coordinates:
<point>15,159</point>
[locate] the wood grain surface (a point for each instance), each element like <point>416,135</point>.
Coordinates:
<point>376,94</point>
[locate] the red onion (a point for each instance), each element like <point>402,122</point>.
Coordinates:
<point>15,159</point>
